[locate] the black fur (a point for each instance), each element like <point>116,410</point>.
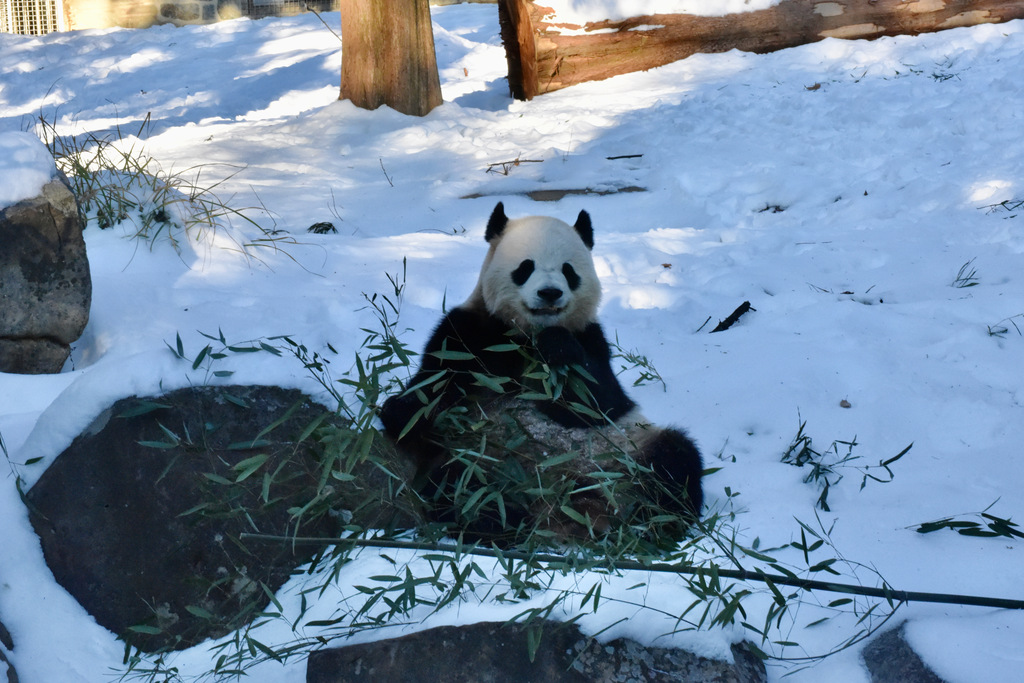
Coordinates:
<point>571,276</point>
<point>521,274</point>
<point>475,332</point>
<point>584,228</point>
<point>496,223</point>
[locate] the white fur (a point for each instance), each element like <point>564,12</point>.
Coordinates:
<point>549,243</point>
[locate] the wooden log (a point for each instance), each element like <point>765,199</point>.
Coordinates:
<point>545,55</point>
<point>387,55</point>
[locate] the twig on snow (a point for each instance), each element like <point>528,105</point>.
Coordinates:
<point>728,322</point>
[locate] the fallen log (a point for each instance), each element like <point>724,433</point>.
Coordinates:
<point>545,54</point>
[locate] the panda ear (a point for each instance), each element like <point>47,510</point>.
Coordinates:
<point>497,222</point>
<point>585,229</point>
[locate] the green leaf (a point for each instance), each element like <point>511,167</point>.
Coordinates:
<point>166,445</point>
<point>756,555</point>
<point>262,648</point>
<point>194,509</point>
<point>898,455</point>
<point>243,349</point>
<point>782,570</point>
<point>147,630</point>
<point>418,415</point>
<point>501,348</point>
<point>247,445</point>
<point>581,409</point>
<point>199,359</point>
<point>826,566</point>
<point>929,527</point>
<point>235,400</point>
<point>199,612</point>
<point>574,516</point>
<point>270,349</point>
<point>180,351</point>
<point>533,636</point>
<point>489,382</point>
<point>556,460</point>
<point>219,338</point>
<point>437,376</point>
<point>445,354</point>
<point>247,467</point>
<point>477,495</point>
<point>142,408</point>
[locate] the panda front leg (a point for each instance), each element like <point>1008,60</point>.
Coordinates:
<point>600,390</point>
<point>559,347</point>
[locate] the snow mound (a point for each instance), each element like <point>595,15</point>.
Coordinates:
<point>25,166</point>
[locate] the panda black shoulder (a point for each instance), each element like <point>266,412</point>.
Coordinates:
<point>465,329</point>
<point>593,340</point>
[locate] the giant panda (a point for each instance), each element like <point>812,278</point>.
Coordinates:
<point>526,351</point>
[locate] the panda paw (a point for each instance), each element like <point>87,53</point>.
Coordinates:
<point>558,347</point>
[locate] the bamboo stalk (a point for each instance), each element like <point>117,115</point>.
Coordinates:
<point>890,594</point>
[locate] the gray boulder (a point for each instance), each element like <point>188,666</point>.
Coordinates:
<point>45,287</point>
<point>142,518</point>
<point>891,660</point>
<point>498,653</point>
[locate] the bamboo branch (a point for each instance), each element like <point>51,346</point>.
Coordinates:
<point>890,594</point>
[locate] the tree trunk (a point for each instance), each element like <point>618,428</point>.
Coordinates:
<point>541,58</point>
<point>387,55</point>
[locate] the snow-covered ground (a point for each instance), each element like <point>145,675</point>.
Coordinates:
<point>839,187</point>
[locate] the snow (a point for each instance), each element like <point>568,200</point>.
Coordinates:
<point>839,187</point>
<point>25,166</point>
<point>581,12</point>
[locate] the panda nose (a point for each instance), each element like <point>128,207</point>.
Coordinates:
<point>550,294</point>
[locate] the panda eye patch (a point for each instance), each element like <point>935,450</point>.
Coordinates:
<point>571,277</point>
<point>521,274</point>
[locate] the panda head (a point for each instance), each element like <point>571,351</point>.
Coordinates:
<point>539,272</point>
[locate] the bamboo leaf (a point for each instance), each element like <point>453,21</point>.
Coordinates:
<point>445,354</point>
<point>142,408</point>
<point>495,384</point>
<point>898,455</point>
<point>199,612</point>
<point>158,444</point>
<point>249,466</point>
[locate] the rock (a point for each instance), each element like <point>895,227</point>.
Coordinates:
<point>498,652</point>
<point>891,660</point>
<point>45,287</point>
<point>140,518</point>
